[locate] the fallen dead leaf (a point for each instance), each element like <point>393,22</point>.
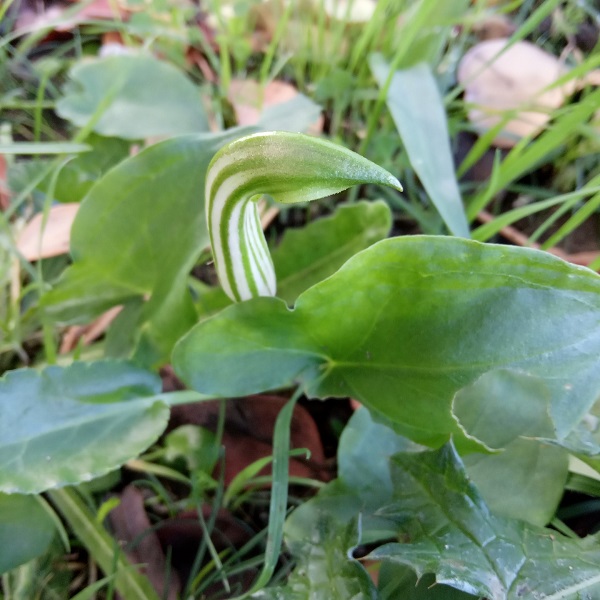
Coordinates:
<point>4,191</point>
<point>135,534</point>
<point>181,536</point>
<point>88,333</point>
<point>194,57</point>
<point>37,16</point>
<point>43,240</point>
<point>500,80</point>
<point>249,99</point>
<point>248,435</point>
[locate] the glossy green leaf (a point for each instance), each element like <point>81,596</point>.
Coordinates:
<point>492,423</point>
<point>289,167</point>
<point>395,582</point>
<point>418,111</point>
<point>448,530</point>
<point>510,411</point>
<point>122,240</point>
<point>324,571</point>
<point>407,323</point>
<point>526,481</point>
<point>363,484</point>
<point>584,440</point>
<point>132,97</point>
<point>62,426</point>
<point>364,453</point>
<point>26,530</point>
<point>312,253</point>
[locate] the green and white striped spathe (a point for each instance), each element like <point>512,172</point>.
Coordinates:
<point>289,167</point>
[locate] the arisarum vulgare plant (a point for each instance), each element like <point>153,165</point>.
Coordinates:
<point>288,167</point>
<point>489,354</point>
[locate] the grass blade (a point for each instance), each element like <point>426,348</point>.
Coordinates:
<point>418,111</point>
<point>279,494</point>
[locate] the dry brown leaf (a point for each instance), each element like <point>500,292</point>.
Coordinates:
<point>4,191</point>
<point>135,534</point>
<point>194,57</point>
<point>38,18</point>
<point>88,333</point>
<point>249,424</point>
<point>182,535</point>
<point>355,404</point>
<point>55,233</point>
<point>248,100</point>
<point>513,81</point>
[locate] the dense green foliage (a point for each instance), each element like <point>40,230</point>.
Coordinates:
<point>477,363</point>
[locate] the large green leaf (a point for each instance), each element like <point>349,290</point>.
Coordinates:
<point>62,426</point>
<point>407,323</point>
<point>510,411</point>
<point>140,230</point>
<point>132,97</point>
<point>138,233</point>
<point>363,485</point>
<point>448,530</point>
<point>418,111</point>
<point>584,440</point>
<point>312,253</point>
<point>141,226</point>
<point>26,530</point>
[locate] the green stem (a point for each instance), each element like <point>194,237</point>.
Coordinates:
<point>129,582</point>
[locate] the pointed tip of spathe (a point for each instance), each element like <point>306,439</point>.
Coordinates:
<point>393,182</point>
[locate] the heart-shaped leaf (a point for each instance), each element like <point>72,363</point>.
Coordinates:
<point>122,239</point>
<point>405,324</point>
